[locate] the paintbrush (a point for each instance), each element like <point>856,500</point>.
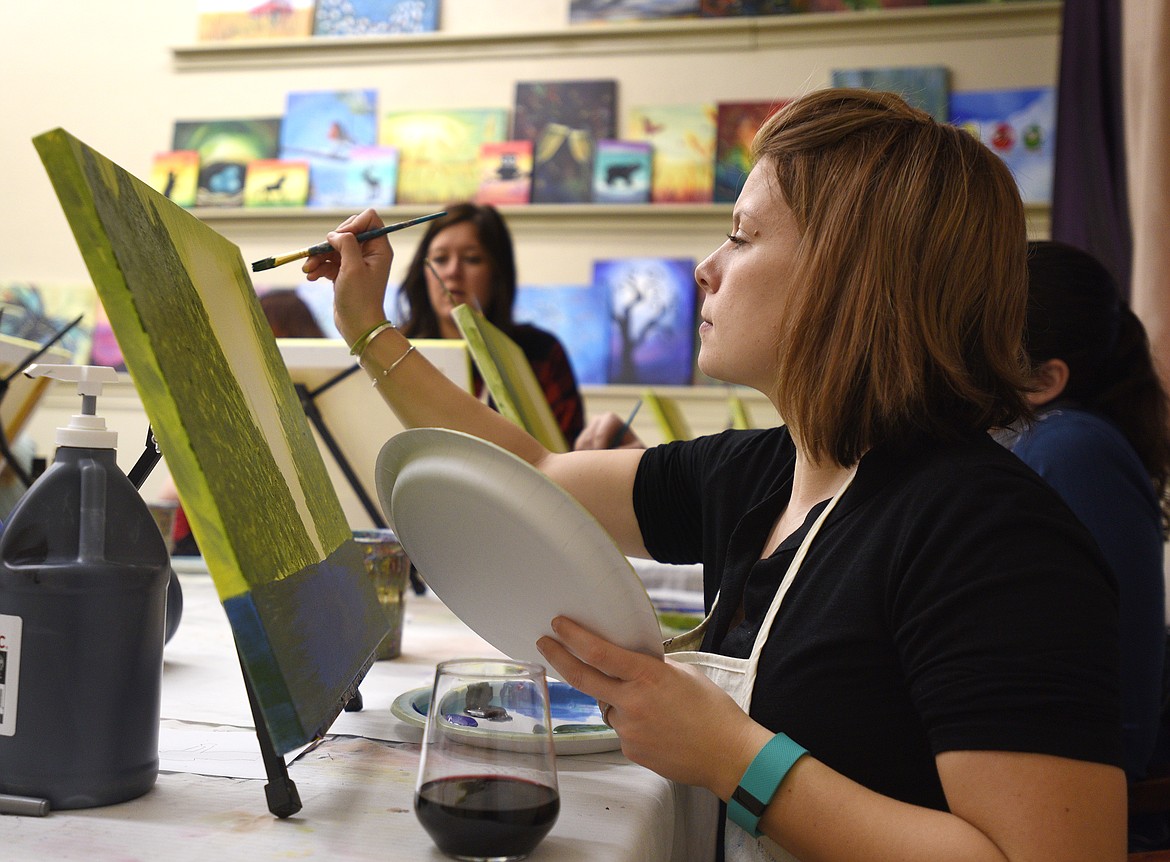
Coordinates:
<point>324,247</point>
<point>616,439</point>
<point>447,291</point>
<point>439,279</point>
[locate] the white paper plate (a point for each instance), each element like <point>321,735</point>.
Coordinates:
<point>505,548</point>
<point>576,721</point>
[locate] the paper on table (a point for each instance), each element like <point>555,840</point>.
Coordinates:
<point>229,753</point>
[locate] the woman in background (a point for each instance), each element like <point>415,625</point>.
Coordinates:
<point>289,315</point>
<point>1102,440</point>
<point>470,250</point>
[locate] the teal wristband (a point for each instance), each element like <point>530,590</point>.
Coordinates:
<point>760,782</point>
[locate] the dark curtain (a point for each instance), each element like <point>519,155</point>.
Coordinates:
<point>1090,205</point>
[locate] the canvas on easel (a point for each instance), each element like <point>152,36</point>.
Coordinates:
<point>349,425</point>
<point>292,581</point>
<point>509,378</point>
<point>21,394</point>
<point>669,416</point>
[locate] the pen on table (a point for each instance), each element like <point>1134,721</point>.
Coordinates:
<point>323,247</point>
<point>616,440</point>
<point>29,806</point>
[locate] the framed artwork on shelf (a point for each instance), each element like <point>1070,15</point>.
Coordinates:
<point>439,151</point>
<point>225,148</point>
<point>923,87</point>
<point>578,315</point>
<point>683,138</point>
<point>233,20</point>
<point>276,183</point>
<point>1019,125</point>
<point>375,17</point>
<point>736,124</point>
<point>175,175</point>
<point>505,172</point>
<point>622,172</point>
<point>652,314</point>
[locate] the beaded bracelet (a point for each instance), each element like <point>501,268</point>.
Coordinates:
<point>760,782</point>
<point>363,340</point>
<point>392,366</point>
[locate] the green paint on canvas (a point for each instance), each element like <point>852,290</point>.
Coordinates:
<point>203,359</point>
<point>304,614</point>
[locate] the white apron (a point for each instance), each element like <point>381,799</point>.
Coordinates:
<point>696,810</point>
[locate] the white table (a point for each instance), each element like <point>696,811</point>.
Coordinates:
<point>356,787</point>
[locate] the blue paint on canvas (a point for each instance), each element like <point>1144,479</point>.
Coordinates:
<point>1020,127</point>
<point>375,17</point>
<point>578,315</point>
<point>652,318</point>
<point>924,87</point>
<point>323,128</point>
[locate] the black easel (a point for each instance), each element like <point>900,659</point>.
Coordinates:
<point>5,450</point>
<point>280,791</point>
<point>309,405</point>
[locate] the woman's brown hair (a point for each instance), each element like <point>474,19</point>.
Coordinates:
<point>909,318</point>
<point>417,316</point>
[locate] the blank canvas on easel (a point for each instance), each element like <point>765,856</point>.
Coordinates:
<point>509,378</point>
<point>303,612</point>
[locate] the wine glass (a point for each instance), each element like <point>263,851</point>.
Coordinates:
<point>487,780</point>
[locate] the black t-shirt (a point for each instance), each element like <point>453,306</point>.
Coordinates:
<point>951,601</point>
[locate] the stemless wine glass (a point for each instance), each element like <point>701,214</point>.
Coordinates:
<point>487,781</point>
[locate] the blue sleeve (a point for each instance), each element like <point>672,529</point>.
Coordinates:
<point>1097,473</point>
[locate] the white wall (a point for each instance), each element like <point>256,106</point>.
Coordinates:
<point>108,74</point>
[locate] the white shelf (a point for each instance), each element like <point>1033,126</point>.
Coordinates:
<point>733,35</point>
<point>535,218</point>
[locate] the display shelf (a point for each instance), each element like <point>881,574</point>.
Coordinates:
<point>624,216</point>
<point>534,218</point>
<point>732,35</point>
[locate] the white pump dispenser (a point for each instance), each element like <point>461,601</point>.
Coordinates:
<point>84,581</point>
<point>85,430</point>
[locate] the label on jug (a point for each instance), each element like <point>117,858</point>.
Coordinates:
<point>10,628</point>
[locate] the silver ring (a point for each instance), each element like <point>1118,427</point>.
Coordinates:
<point>605,715</point>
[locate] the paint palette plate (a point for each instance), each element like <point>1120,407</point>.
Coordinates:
<point>505,548</point>
<point>576,721</point>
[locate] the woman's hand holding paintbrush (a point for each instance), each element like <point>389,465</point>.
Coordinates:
<point>358,302</point>
<point>325,247</point>
<point>610,431</point>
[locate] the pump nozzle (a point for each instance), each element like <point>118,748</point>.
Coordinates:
<point>85,430</point>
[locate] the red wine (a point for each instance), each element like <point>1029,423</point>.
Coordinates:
<point>486,815</point>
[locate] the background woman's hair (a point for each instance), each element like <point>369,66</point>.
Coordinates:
<point>289,315</point>
<point>906,315</point>
<point>415,312</point>
<point>1076,314</point>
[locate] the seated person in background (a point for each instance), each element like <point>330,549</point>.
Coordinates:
<point>471,250</point>
<point>289,315</point>
<point>1102,439</point>
<point>600,433</point>
<point>912,648</point>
